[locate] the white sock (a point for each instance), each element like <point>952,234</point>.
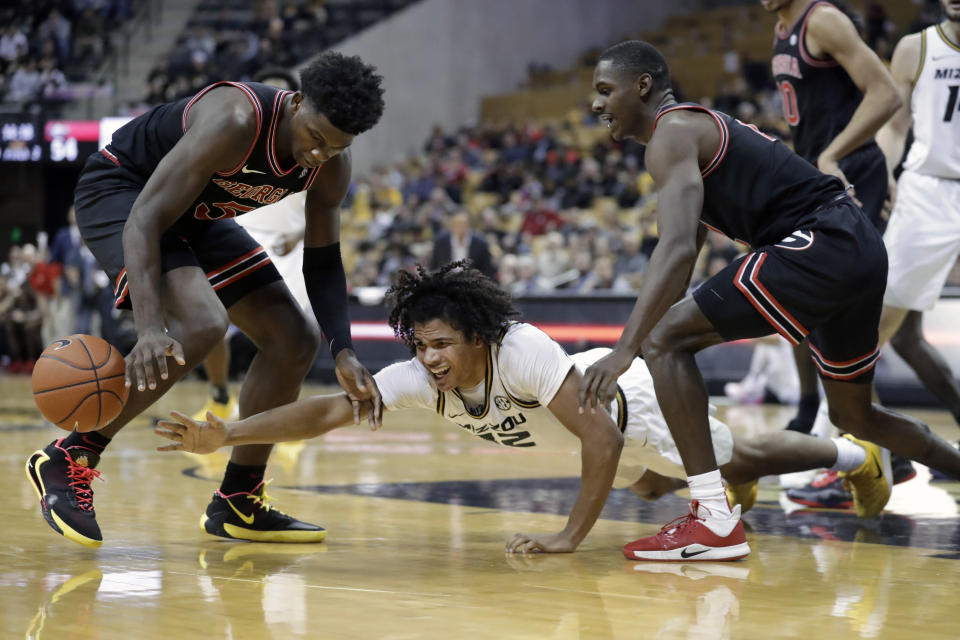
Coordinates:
<point>850,455</point>
<point>707,489</point>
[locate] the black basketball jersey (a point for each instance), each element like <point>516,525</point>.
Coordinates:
<point>755,189</point>
<point>257,180</point>
<point>819,97</point>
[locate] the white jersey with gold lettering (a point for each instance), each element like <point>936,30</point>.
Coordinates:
<point>935,106</point>
<point>510,407</point>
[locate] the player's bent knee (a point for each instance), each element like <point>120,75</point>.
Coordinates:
<point>298,344</point>
<point>206,328</point>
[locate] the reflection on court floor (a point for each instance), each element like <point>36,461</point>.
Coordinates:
<point>418,516</point>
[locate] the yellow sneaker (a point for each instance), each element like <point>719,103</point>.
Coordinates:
<point>224,411</point>
<point>744,495</point>
<point>871,482</point>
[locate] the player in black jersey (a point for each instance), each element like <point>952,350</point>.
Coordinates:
<point>156,206</point>
<point>818,269</point>
<point>836,95</point>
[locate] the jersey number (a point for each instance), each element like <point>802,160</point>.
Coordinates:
<point>226,210</point>
<point>951,103</point>
<point>790,110</point>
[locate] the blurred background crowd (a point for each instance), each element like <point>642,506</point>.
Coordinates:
<point>544,205</point>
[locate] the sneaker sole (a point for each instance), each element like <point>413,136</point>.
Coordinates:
<point>705,554</point>
<point>55,522</point>
<point>233,532</point>
<point>820,505</point>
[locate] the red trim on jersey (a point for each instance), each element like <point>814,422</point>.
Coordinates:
<point>272,137</point>
<point>766,294</point>
<point>120,292</point>
<point>258,109</point>
<point>312,178</point>
<point>870,361</point>
<point>254,267</point>
<point>112,158</point>
<point>233,263</point>
<point>802,44</point>
<point>724,135</point>
<point>774,322</point>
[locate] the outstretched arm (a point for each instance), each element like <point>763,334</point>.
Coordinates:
<point>326,282</point>
<point>600,445</point>
<point>306,418</point>
<point>673,160</point>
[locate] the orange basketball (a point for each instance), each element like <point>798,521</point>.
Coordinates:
<point>78,383</point>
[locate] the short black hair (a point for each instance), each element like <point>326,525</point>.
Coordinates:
<point>268,73</point>
<point>456,293</point>
<point>344,89</point>
<point>637,57</point>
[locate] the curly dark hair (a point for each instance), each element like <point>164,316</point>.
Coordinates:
<point>344,89</point>
<point>461,296</point>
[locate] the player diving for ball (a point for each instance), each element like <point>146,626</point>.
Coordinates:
<point>511,384</point>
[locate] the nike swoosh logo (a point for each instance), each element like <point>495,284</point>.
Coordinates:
<point>245,170</point>
<point>684,554</point>
<point>879,469</point>
<point>949,55</point>
<point>247,519</point>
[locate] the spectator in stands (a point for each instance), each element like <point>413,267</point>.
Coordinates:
<point>57,28</point>
<point>460,243</point>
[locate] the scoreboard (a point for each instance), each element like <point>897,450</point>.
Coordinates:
<point>30,138</point>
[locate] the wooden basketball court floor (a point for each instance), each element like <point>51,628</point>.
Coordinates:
<point>418,515</point>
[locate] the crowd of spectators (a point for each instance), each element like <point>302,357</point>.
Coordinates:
<point>234,39</point>
<point>543,207</point>
<point>49,48</point>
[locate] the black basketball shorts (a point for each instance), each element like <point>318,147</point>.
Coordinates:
<point>235,263</point>
<point>866,169</point>
<point>826,283</point>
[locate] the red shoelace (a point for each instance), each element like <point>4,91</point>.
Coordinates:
<point>80,479</point>
<point>685,520</point>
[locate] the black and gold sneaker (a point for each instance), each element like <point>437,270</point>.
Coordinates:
<point>250,516</point>
<point>61,478</point>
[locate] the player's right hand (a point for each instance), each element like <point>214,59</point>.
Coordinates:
<point>192,436</point>
<point>152,345</point>
<point>598,387</point>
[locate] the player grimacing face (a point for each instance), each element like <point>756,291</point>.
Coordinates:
<point>314,139</point>
<point>618,100</point>
<point>451,360</point>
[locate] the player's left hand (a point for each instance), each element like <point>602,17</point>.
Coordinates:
<point>541,543</point>
<point>361,388</point>
<point>190,435</point>
<point>598,386</point>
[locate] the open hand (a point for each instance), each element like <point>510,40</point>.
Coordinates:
<point>190,435</point>
<point>541,543</point>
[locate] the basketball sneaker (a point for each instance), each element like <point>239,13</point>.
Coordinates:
<point>826,491</point>
<point>61,477</point>
<point>871,482</point>
<point>744,495</point>
<point>224,410</point>
<point>250,516</point>
<point>688,539</point>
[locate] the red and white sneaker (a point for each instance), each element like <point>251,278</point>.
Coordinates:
<point>688,539</point>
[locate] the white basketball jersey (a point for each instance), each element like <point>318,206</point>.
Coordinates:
<point>935,106</point>
<point>524,372</point>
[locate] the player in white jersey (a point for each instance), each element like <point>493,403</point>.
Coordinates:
<point>923,237</point>
<point>511,384</point>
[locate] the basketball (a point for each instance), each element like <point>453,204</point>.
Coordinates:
<point>78,383</point>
